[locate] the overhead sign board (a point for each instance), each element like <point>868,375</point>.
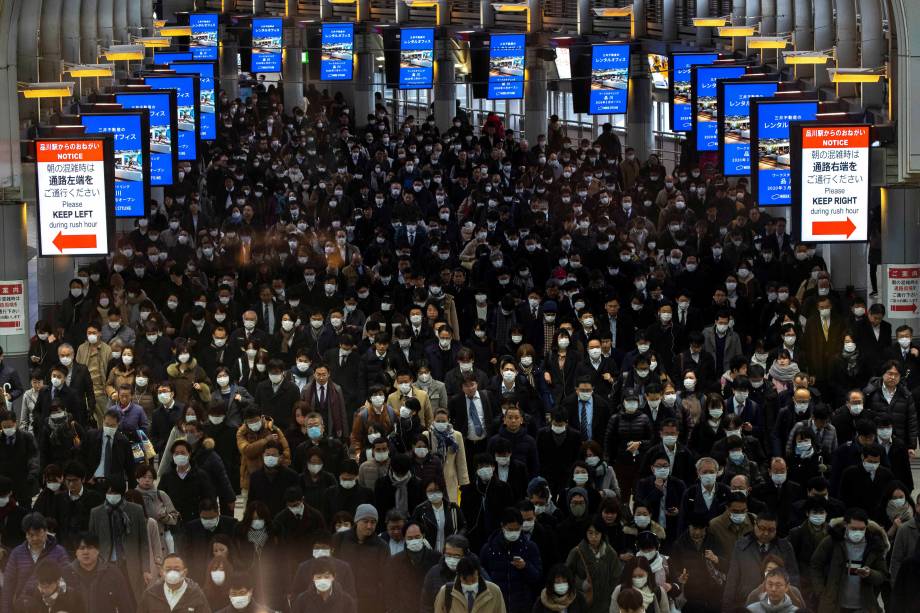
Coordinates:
<point>416,58</point>
<point>207,94</point>
<point>506,67</point>
<point>165,57</point>
<point>902,290</point>
<point>609,79</point>
<point>266,44</point>
<point>75,191</point>
<point>658,68</point>
<point>164,148</point>
<point>830,170</point>
<point>771,157</point>
<point>705,102</point>
<point>130,132</point>
<point>681,87</point>
<point>337,52</point>
<point>735,122</point>
<point>204,36</point>
<point>187,110</point>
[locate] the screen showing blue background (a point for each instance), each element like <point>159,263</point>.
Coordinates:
<point>129,136</point>
<point>681,121</point>
<point>609,79</point>
<point>416,58</point>
<point>266,44</point>
<point>774,176</point>
<point>736,124</point>
<point>165,57</point>
<point>161,164</point>
<point>206,94</point>
<point>506,66</point>
<point>337,52</point>
<point>204,36</point>
<point>707,130</point>
<point>185,108</point>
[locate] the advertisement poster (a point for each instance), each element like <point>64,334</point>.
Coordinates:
<point>266,44</point>
<point>705,101</point>
<point>735,122</point>
<point>162,115</point>
<point>609,79</point>
<point>204,36</point>
<point>337,52</point>
<point>186,110</point>
<point>681,88</point>
<point>206,94</point>
<point>416,58</point>
<point>130,135</point>
<point>506,67</point>
<point>165,57</point>
<point>658,67</point>
<point>771,176</point>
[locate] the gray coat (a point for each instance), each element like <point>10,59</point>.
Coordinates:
<point>746,569</point>
<point>732,344</point>
<point>135,546</point>
<point>437,394</point>
<point>905,545</point>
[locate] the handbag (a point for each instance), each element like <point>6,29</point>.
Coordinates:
<point>143,449</point>
<point>588,593</point>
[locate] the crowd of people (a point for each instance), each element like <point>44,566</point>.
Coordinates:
<point>360,366</point>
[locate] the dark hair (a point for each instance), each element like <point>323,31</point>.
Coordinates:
<point>559,570</point>
<point>629,598</point>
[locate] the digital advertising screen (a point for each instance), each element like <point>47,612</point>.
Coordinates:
<point>161,107</point>
<point>186,87</point>
<point>337,52</point>
<point>207,93</point>
<point>771,176</point>
<point>705,102</point>
<point>131,139</point>
<point>266,44</point>
<point>609,79</point>
<point>680,90</point>
<point>563,63</point>
<point>735,122</point>
<point>165,57</point>
<point>658,67</point>
<point>204,36</point>
<point>506,67</point>
<point>416,58</point>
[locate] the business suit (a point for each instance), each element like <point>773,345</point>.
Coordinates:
<point>135,543</point>
<point>78,380</point>
<point>121,464</point>
<point>671,498</point>
<point>458,407</point>
<point>333,411</point>
<point>872,349</point>
<point>732,347</point>
<point>345,374</point>
<point>818,350</point>
<point>572,407</point>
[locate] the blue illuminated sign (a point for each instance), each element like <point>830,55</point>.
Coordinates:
<point>770,148</point>
<point>186,109</point>
<point>129,136</point>
<point>165,57</point>
<point>681,87</point>
<point>609,79</point>
<point>161,131</point>
<point>506,66</point>
<point>206,94</point>
<point>706,102</point>
<point>266,44</point>
<point>204,36</point>
<point>735,122</point>
<point>337,49</point>
<point>416,58</point>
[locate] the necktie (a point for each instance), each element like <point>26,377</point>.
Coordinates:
<point>584,421</point>
<point>474,418</point>
<point>341,359</point>
<point>763,548</point>
<point>322,395</point>
<point>107,453</point>
<point>826,326</point>
<point>265,317</point>
<point>470,601</point>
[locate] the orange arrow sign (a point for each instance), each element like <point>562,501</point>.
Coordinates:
<point>74,241</point>
<point>832,228</point>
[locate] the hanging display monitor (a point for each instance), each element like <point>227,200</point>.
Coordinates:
<point>658,67</point>
<point>187,113</point>
<point>681,87</point>
<point>735,122</point>
<point>266,44</point>
<point>830,182</point>
<point>506,67</point>
<point>609,79</point>
<point>165,57</point>
<point>705,102</point>
<point>337,52</point>
<point>207,94</point>
<point>416,58</point>
<point>130,132</point>
<point>74,188</point>
<point>204,36</point>
<point>164,153</point>
<point>771,177</point>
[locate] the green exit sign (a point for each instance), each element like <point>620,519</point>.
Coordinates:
<point>304,57</point>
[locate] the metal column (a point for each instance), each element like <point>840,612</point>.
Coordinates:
<point>535,115</point>
<point>639,109</point>
<point>364,78</point>
<point>703,35</point>
<point>585,17</point>
<point>89,32</point>
<point>900,227</point>
<point>872,47</point>
<point>49,67</point>
<point>229,75</point>
<point>120,21</point>
<point>784,16</point>
<point>804,35</point>
<point>445,76</point>
<point>669,20</point>
<point>768,17</point>
<point>105,22</point>
<point>70,39</point>
<point>486,15</point>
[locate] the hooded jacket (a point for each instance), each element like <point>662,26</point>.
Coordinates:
<point>829,570</point>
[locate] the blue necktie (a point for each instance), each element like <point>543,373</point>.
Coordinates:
<point>586,432</point>
<point>474,418</point>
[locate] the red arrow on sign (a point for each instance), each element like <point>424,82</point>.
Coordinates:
<point>832,228</point>
<point>912,308</point>
<point>74,241</point>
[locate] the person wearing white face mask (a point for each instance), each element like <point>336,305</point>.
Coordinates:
<point>513,562</point>
<point>661,491</point>
<point>891,396</point>
<point>722,342</point>
<point>469,591</point>
<point>325,589</point>
<point>270,484</point>
<point>277,394</point>
<point>186,376</point>
<point>95,356</point>
<point>174,591</point>
<point>864,484</point>
<point>629,432</point>
<point>122,530</point>
<point>256,433</point>
<point>405,572</point>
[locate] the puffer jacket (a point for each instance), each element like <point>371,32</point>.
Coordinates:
<point>252,444</point>
<point>18,575</point>
<point>901,409</point>
<point>623,428</point>
<point>184,380</point>
<point>829,570</point>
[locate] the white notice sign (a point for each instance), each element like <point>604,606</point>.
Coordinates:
<point>903,290</point>
<point>834,184</point>
<point>12,308</point>
<point>72,196</point>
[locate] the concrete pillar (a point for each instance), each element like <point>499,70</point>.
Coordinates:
<point>486,14</point>
<point>171,7</point>
<point>536,117</point>
<point>89,32</point>
<point>147,17</point>
<point>847,45</point>
<point>10,156</point>
<point>258,7</point>
<point>900,226</point>
<point>229,77</point>
<point>752,11</point>
<point>135,23</point>
<point>804,35</point>
<point>292,79</point>
<point>585,17</point>
<point>445,87</point>
<point>14,267</point>
<point>364,79</point>
<point>402,11</point>
<point>105,21</point>
<point>639,20</point>
<point>325,9</point>
<point>535,11</point>
<point>70,39</point>
<point>768,17</point>
<point>739,10</point>
<point>669,20</point>
<point>872,47</point>
<point>120,21</point>
<point>784,16</point>
<point>27,55</point>
<point>703,34</point>
<point>639,109</point>
<point>49,67</point>
<point>824,24</point>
